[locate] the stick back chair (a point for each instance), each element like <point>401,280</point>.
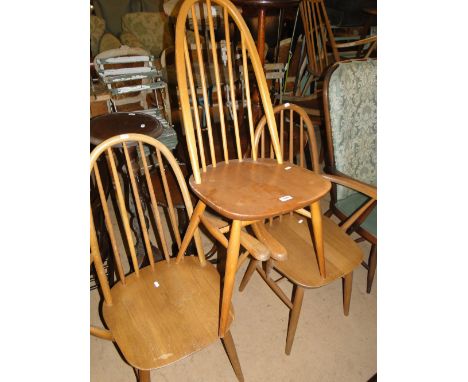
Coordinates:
<point>350,106</point>
<point>292,232</point>
<point>243,191</point>
<point>166,310</point>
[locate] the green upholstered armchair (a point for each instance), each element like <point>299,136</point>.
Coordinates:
<point>350,108</point>
<point>100,40</point>
<point>147,30</point>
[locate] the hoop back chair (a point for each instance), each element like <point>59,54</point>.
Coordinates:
<point>293,232</point>
<point>132,80</point>
<point>166,310</point>
<point>350,105</point>
<point>244,191</point>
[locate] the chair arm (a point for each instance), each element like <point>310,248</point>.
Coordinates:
<point>367,40</point>
<point>364,188</point>
<point>101,333</point>
<point>277,250</point>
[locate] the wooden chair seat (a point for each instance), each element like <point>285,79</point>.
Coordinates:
<point>155,326</point>
<point>301,267</point>
<point>251,190</point>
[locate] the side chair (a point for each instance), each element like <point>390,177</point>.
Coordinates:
<point>240,191</point>
<point>350,106</point>
<point>167,310</point>
<point>291,233</point>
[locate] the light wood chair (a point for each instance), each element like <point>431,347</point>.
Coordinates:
<point>350,105</point>
<point>291,233</point>
<point>166,310</point>
<point>242,191</point>
<point>322,50</point>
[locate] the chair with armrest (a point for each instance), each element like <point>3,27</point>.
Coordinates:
<point>241,191</point>
<point>350,106</point>
<point>291,233</point>
<point>167,310</point>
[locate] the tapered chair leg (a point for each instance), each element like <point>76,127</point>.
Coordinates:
<point>230,347</point>
<point>194,222</point>
<point>294,317</point>
<point>230,274</point>
<point>144,376</point>
<point>372,267</point>
<point>248,274</point>
<point>347,288</point>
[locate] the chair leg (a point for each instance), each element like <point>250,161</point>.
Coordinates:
<point>230,274</point>
<point>268,267</point>
<point>347,288</point>
<point>144,376</point>
<point>194,222</point>
<point>372,267</point>
<point>294,317</point>
<point>248,274</point>
<point>230,347</point>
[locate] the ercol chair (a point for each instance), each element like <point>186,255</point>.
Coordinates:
<point>350,107</point>
<point>291,233</point>
<point>131,78</point>
<point>166,310</point>
<point>242,191</point>
<point>322,50</point>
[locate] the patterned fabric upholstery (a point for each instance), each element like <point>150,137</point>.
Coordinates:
<point>108,42</point>
<point>352,97</point>
<point>97,28</point>
<point>150,28</point>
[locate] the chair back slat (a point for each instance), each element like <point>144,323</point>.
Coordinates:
<point>133,163</point>
<point>229,45</point>
<point>108,223</point>
<point>123,209</point>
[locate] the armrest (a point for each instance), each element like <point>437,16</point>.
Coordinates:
<point>367,40</point>
<point>362,187</point>
<point>277,250</point>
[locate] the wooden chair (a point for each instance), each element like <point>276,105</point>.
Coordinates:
<point>350,106</point>
<point>242,191</point>
<point>136,85</point>
<point>322,50</point>
<point>166,310</point>
<point>291,233</point>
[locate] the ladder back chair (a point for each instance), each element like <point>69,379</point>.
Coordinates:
<point>136,85</point>
<point>243,191</point>
<point>350,106</point>
<point>291,233</point>
<point>166,310</point>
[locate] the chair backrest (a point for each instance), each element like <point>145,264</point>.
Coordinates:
<point>296,135</point>
<point>129,74</point>
<point>320,43</point>
<point>121,160</point>
<point>232,33</point>
<point>350,106</point>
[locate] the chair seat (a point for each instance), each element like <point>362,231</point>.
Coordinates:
<point>352,203</point>
<point>342,254</point>
<point>155,326</point>
<point>251,190</point>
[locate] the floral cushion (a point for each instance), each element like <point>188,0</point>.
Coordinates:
<point>150,28</point>
<point>108,42</point>
<point>97,28</point>
<point>352,97</point>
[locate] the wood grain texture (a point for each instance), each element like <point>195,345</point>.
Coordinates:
<point>155,326</point>
<point>251,190</point>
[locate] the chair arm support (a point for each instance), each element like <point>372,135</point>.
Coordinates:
<point>101,333</point>
<point>367,40</point>
<point>364,188</point>
<point>277,250</point>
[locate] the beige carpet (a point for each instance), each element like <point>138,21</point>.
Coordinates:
<point>328,346</point>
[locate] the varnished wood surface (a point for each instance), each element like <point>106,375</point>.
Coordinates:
<point>155,326</point>
<point>250,190</point>
<point>342,254</point>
